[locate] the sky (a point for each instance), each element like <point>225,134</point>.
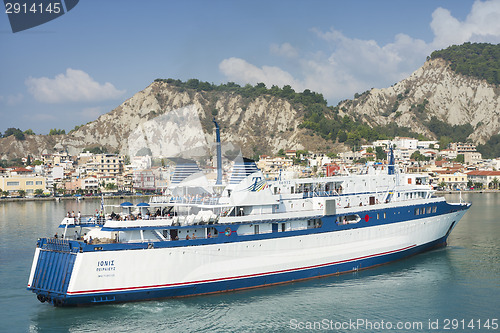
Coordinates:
<point>71,70</point>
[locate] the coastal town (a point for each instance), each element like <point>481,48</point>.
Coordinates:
<point>457,167</point>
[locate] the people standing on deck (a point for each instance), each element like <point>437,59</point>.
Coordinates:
<point>79,217</point>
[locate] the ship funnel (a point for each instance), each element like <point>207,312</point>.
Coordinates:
<point>219,155</point>
<point>391,167</point>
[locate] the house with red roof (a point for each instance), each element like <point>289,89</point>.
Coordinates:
<point>489,179</point>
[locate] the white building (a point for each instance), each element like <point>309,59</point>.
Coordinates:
<point>405,143</point>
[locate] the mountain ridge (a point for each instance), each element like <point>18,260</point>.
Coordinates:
<point>434,101</point>
<point>454,98</point>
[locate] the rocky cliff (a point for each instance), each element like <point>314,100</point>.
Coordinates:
<point>432,90</point>
<point>169,120</point>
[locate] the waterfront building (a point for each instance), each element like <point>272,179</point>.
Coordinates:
<point>144,180</point>
<point>453,180</point>
<point>101,165</point>
<point>22,182</point>
<point>486,178</point>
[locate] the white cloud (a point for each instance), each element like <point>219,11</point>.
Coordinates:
<point>285,50</point>
<point>73,86</point>
<point>355,65</point>
<point>481,25</point>
<point>239,70</point>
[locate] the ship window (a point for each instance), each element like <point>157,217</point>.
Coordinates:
<point>378,216</point>
<point>429,210</point>
<point>314,223</point>
<point>174,234</point>
<point>256,229</point>
<point>385,215</point>
<point>283,227</point>
<point>434,209</point>
<point>417,211</point>
<point>350,219</point>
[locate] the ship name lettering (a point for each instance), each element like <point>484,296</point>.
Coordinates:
<point>106,263</point>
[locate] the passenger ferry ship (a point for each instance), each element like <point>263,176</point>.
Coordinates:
<point>250,233</point>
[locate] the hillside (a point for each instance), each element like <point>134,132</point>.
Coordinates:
<point>453,96</point>
<point>259,124</point>
<point>434,90</point>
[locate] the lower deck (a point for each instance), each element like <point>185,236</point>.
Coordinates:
<point>119,238</point>
<point>122,275</point>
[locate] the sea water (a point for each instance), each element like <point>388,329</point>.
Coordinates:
<point>451,289</point>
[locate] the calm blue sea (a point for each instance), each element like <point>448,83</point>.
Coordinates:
<point>445,288</point>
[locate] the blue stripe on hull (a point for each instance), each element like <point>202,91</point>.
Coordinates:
<point>245,283</point>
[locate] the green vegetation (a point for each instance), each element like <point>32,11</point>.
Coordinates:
<point>29,132</point>
<point>110,186</point>
<point>56,131</point>
<point>15,162</point>
<point>491,149</point>
<point>16,132</point>
<point>380,153</point>
<point>479,60</point>
<point>460,158</point>
<point>75,129</point>
<point>96,150</point>
<point>447,133</point>
<point>494,183</point>
<point>417,156</point>
<point>321,119</point>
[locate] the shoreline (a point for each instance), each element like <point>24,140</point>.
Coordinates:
<point>75,198</point>
<point>474,191</point>
<point>149,195</point>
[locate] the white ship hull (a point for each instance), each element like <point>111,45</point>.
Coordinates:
<point>105,276</point>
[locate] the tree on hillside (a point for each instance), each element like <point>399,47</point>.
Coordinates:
<point>16,132</point>
<point>480,60</point>
<point>380,153</point>
<point>491,149</point>
<point>56,131</point>
<point>460,158</point>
